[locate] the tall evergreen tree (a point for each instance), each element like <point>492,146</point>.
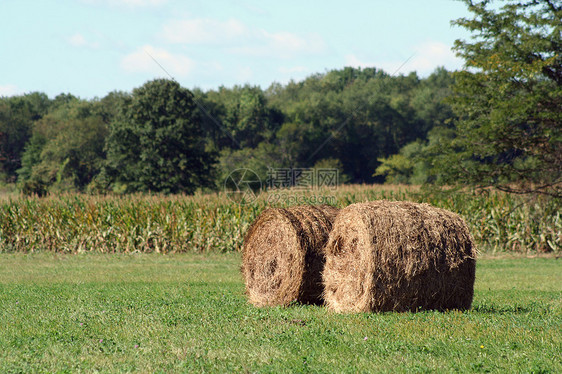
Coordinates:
<point>508,100</point>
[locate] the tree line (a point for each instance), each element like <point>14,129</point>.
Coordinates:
<point>163,137</point>
<point>497,123</point>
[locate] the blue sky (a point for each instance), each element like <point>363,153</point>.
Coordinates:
<point>92,47</point>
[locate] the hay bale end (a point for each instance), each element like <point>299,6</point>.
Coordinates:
<point>398,256</point>
<point>283,255</point>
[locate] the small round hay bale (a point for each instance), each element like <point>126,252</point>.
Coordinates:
<point>283,255</point>
<point>398,256</point>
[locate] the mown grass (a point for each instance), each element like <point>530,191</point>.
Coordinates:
<point>169,224</point>
<point>188,313</point>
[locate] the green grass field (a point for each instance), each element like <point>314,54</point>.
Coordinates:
<point>188,313</point>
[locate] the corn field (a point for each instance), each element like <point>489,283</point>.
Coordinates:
<point>165,224</point>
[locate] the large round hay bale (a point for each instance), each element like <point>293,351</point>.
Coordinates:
<point>283,255</point>
<point>398,256</point>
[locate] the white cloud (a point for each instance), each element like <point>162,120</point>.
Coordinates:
<point>285,74</point>
<point>128,3</point>
<point>9,90</point>
<point>139,2</point>
<point>282,45</point>
<point>244,74</point>
<point>356,62</point>
<point>78,40</point>
<point>256,9</point>
<point>423,59</point>
<point>293,69</point>
<point>395,67</point>
<point>238,38</point>
<point>158,61</point>
<point>203,31</point>
<point>432,54</point>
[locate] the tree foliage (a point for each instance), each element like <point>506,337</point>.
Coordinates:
<point>156,142</point>
<point>508,100</point>
<point>17,115</point>
<point>162,138</point>
<point>66,149</point>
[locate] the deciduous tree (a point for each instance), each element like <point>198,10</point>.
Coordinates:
<point>156,143</point>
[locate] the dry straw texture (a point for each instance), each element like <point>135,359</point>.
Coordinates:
<point>283,255</point>
<point>398,256</point>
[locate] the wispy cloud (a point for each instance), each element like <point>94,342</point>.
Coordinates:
<point>425,58</point>
<point>393,66</point>
<point>284,45</point>
<point>432,54</point>
<point>203,31</point>
<point>143,61</point>
<point>244,74</point>
<point>293,69</point>
<point>356,62</point>
<point>9,90</point>
<point>285,74</point>
<point>256,9</point>
<point>238,38</point>
<point>78,40</point>
<point>128,3</point>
